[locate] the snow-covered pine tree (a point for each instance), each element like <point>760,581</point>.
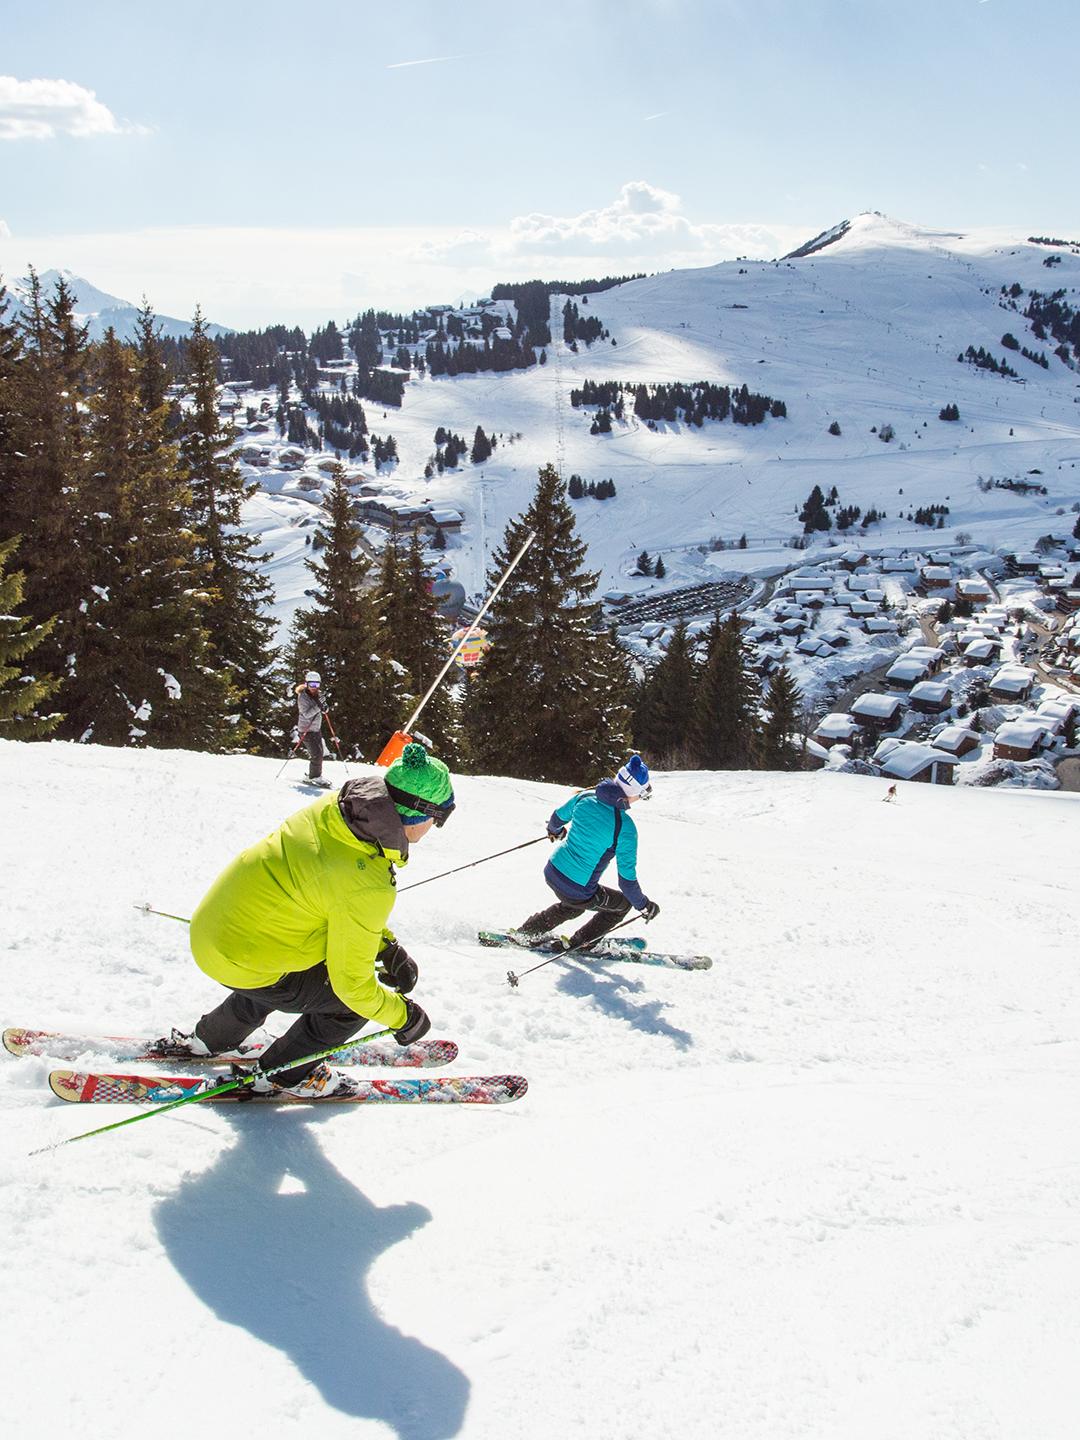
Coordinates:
<point>145,673</point>
<point>724,723</point>
<point>23,695</point>
<point>341,636</point>
<point>665,704</point>
<point>549,700</point>
<point>778,747</point>
<point>238,593</point>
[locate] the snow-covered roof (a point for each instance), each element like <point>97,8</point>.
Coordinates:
<point>876,705</point>
<point>926,652</point>
<point>937,572</point>
<point>903,759</point>
<point>953,737</point>
<point>972,589</point>
<point>906,669</point>
<point>1024,733</point>
<point>934,691</point>
<point>879,625</point>
<point>838,724</point>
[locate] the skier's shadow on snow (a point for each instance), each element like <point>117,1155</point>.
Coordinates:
<point>609,993</point>
<point>290,1268</point>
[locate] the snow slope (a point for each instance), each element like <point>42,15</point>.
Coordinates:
<point>865,332</point>
<point>827,1189</point>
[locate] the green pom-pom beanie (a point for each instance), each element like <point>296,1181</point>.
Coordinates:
<point>415,772</point>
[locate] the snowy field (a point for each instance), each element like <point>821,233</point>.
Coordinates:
<point>864,333</point>
<point>829,1189</point>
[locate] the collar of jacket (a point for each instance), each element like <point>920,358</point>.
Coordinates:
<point>608,793</point>
<point>370,815</point>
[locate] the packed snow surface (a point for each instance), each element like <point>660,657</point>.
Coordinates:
<point>830,1188</point>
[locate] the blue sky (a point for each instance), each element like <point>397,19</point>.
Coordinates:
<point>280,162</point>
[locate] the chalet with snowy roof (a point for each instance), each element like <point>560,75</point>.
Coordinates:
<point>836,728</point>
<point>793,627</point>
<point>812,646</point>
<point>899,565</point>
<point>1062,709</point>
<point>761,633</point>
<point>812,599</point>
<point>932,656</point>
<point>852,559</point>
<point>906,672</point>
<point>1024,564</point>
<point>879,625</point>
<point>931,697</point>
<point>860,583</point>
<point>912,760</point>
<point>875,711</point>
<point>956,740</point>
<point>980,652</point>
<point>836,638</point>
<point>1022,739</point>
<point>936,577</point>
<point>976,591</point>
<point>443,518</point>
<point>862,608</point>
<point>1012,683</point>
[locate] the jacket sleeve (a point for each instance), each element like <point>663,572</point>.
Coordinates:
<point>626,863</point>
<point>353,939</point>
<point>564,814</point>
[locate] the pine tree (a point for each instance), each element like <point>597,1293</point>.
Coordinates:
<point>239,595</point>
<point>22,695</point>
<point>144,673</point>
<point>724,721</point>
<point>782,701</point>
<point>47,494</point>
<point>549,698</point>
<point>481,447</point>
<point>341,635</point>
<point>418,640</point>
<point>665,704</point>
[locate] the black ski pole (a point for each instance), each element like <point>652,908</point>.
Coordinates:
<point>294,751</point>
<point>337,742</point>
<point>238,1082</point>
<point>483,861</point>
<point>514,979</point>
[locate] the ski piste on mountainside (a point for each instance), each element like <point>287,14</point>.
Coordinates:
<point>630,948</point>
<point>125,1050</point>
<point>106,1088</point>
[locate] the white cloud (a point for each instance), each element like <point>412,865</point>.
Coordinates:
<point>5,230</point>
<point>44,109</point>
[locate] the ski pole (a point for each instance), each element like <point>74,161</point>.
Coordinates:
<point>294,751</point>
<point>148,909</point>
<point>400,738</point>
<point>236,1083</point>
<point>442,876</point>
<point>336,741</point>
<point>514,979</point>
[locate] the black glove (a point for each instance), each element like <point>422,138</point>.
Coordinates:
<point>416,1024</point>
<point>650,910</point>
<point>397,968</point>
<point>554,835</point>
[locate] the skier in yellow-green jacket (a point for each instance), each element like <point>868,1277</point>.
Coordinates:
<point>298,923</point>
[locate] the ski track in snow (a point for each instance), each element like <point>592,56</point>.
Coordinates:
<point>829,1188</point>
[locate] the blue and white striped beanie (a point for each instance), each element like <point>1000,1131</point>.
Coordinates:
<point>633,778</point>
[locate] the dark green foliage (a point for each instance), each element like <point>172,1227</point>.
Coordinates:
<point>664,705</point>
<point>238,595</point>
<point>342,635</point>
<point>482,447</point>
<point>783,702</point>
<point>644,564</point>
<point>690,404</point>
<point>549,699</point>
<point>724,718</point>
<point>24,691</point>
<point>1053,315</point>
<point>949,412</point>
<point>834,428</point>
<point>814,515</point>
<point>659,569</point>
<point>1010,341</point>
<point>983,360</point>
<point>418,639</point>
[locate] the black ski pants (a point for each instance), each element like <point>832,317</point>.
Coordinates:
<point>325,1021</point>
<point>610,907</point>
<point>313,743</point>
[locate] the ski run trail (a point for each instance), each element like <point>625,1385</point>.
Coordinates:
<point>829,1189</point>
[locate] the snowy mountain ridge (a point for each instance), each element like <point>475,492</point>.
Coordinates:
<point>99,311</point>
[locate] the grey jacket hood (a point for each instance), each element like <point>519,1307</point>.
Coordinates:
<point>371,815</point>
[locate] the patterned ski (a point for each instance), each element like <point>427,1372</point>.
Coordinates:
<point>631,948</point>
<point>123,1050</point>
<point>108,1089</point>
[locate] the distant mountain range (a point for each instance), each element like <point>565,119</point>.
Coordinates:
<point>100,311</point>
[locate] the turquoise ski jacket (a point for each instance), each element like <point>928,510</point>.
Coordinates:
<point>600,830</point>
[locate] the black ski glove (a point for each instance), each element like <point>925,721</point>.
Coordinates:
<point>397,968</point>
<point>554,835</point>
<point>416,1024</point>
<point>650,910</point>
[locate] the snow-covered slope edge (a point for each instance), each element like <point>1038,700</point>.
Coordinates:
<point>827,1189</point>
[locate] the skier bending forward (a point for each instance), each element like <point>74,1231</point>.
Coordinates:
<point>298,923</point>
<point>600,828</point>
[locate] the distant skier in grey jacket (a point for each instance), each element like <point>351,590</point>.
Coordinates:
<point>309,717</point>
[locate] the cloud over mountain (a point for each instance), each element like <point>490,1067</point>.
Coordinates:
<point>45,109</point>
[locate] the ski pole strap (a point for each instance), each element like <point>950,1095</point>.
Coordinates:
<point>233,1084</point>
<point>483,861</point>
<point>514,979</point>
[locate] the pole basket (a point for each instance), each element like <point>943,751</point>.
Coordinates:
<point>392,749</point>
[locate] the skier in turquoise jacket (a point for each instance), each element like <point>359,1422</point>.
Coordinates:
<point>595,827</point>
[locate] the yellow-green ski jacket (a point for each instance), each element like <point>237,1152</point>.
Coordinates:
<point>321,887</point>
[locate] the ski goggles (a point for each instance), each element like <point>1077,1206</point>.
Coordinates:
<point>440,813</point>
